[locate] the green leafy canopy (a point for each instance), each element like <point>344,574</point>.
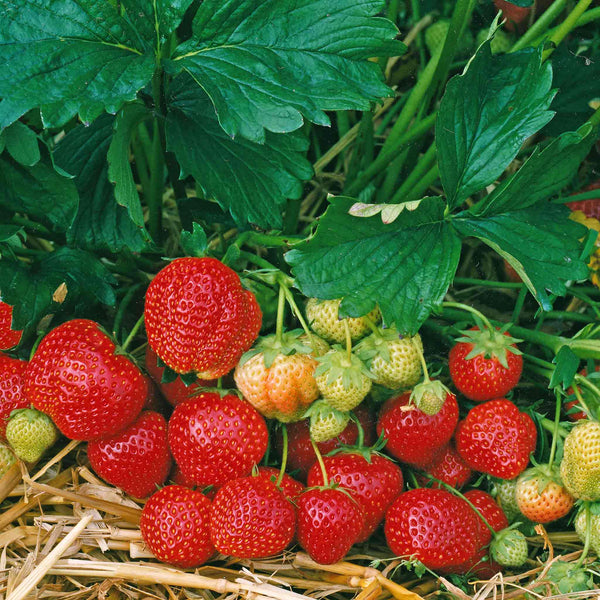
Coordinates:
<point>407,265</point>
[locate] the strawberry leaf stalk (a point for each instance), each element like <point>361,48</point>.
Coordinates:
<point>485,362</point>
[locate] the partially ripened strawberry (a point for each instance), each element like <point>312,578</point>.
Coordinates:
<point>175,391</point>
<point>496,438</point>
<point>12,379</point>
<point>323,318</point>
<point>199,318</point>
<point>77,378</point>
<point>412,436</point>
<point>485,364</point>
<point>30,433</point>
<point>541,495</point>
<point>214,439</point>
<point>137,458</point>
<point>580,465</point>
<point>251,518</point>
<point>279,378</point>
<point>372,479</point>
<point>175,525</point>
<point>329,523</point>
<point>433,526</point>
<point>9,337</point>
<point>393,359</point>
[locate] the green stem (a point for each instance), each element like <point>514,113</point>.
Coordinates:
<point>290,298</point>
<point>566,26</point>
<point>423,184</point>
<point>552,427</point>
<point>257,260</point>
<point>582,403</point>
<point>348,336</point>
<point>280,314</point>
<point>418,174</point>
<point>595,118</point>
<point>519,304</point>
<point>320,461</point>
<point>486,283</point>
<point>557,407</point>
<point>541,25</point>
<point>284,454</point>
<point>141,161</point>
<point>264,240</point>
<point>122,308</point>
<point>154,199</point>
<point>471,310</point>
<point>132,333</point>
<point>588,535</point>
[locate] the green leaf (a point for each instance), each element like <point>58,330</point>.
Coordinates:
<point>68,57</point>
<point>194,243</point>
<point>577,78</point>
<point>22,144</point>
<point>543,174</point>
<point>100,223</point>
<point>485,116</point>
<point>119,167</point>
<point>405,267</point>
<point>156,19</point>
<point>30,288</point>
<point>540,242</point>
<point>566,362</point>
<point>269,64</point>
<point>38,191</point>
<point>250,180</point>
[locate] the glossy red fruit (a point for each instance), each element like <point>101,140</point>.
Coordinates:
<point>497,439</point>
<point>9,337</point>
<point>175,525</point>
<point>590,208</point>
<point>12,377</point>
<point>489,509</point>
<point>449,468</point>
<point>433,526</point>
<point>214,439</point>
<point>412,436</point>
<point>483,376</point>
<point>515,15</point>
<point>199,318</point>
<point>288,485</point>
<point>175,392</point>
<point>329,523</point>
<point>251,518</point>
<point>76,378</point>
<point>137,458</point>
<point>374,483</point>
<point>301,456</point>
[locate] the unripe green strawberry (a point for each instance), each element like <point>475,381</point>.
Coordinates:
<point>343,379</point>
<point>30,433</point>
<point>580,466</point>
<point>326,422</point>
<point>500,44</point>
<point>429,396</point>
<point>504,490</point>
<point>7,459</point>
<point>594,523</point>
<point>509,548</point>
<point>393,360</point>
<point>436,33</point>
<point>324,320</point>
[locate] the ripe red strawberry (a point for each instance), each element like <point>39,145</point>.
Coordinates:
<point>175,524</point>
<point>174,391</point>
<point>412,436</point>
<point>515,15</point>
<point>329,523</point>
<point>137,458</point>
<point>433,526</point>
<point>251,518</point>
<point>76,377</point>
<point>288,485</point>
<point>485,364</point>
<point>216,439</point>
<point>590,208</point>
<point>199,318</point>
<point>373,480</point>
<point>11,388</point>
<point>541,495</point>
<point>496,438</point>
<point>301,455</point>
<point>448,467</point>
<point>9,337</point>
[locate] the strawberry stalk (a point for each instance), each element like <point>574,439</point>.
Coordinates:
<point>320,461</point>
<point>348,341</point>
<point>297,312</point>
<point>132,333</point>
<point>555,433</point>
<point>588,534</point>
<point>566,26</point>
<point>280,316</point>
<point>284,454</point>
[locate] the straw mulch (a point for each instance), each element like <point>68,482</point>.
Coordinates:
<point>66,534</point>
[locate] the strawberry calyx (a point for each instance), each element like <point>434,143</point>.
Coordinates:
<point>339,364</point>
<point>429,396</point>
<point>367,452</point>
<point>326,422</point>
<point>544,475</point>
<point>490,342</point>
<point>376,344</point>
<point>271,346</point>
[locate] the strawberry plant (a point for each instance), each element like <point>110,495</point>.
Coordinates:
<point>241,239</point>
